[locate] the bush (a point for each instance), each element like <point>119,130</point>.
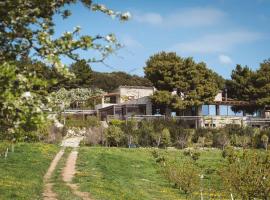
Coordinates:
<point>114,135</point>
<point>184,176</point>
<point>93,136</point>
<point>80,123</point>
<point>194,155</point>
<point>247,174</point>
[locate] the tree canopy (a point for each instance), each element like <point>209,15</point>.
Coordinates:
<point>193,82</point>
<point>31,57</point>
<point>249,85</point>
<point>110,81</point>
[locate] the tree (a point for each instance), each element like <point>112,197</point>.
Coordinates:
<point>265,140</point>
<point>110,81</point>
<point>194,83</point>
<point>241,87</point>
<point>262,84</point>
<point>21,102</point>
<point>27,34</point>
<point>83,75</point>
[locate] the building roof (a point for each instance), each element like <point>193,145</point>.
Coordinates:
<point>135,87</point>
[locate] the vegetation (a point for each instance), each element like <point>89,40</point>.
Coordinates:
<point>165,133</point>
<point>246,174</point>
<point>110,81</point>
<point>249,85</point>
<point>115,173</point>
<point>27,34</point>
<point>193,82</point>
<point>23,170</point>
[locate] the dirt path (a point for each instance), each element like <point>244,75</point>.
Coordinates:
<point>69,172</point>
<point>48,193</point>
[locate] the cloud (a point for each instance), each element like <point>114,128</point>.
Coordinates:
<point>216,43</point>
<point>150,18</point>
<point>224,59</point>
<point>189,17</point>
<point>130,42</point>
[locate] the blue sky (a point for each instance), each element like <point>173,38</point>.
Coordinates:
<point>221,33</point>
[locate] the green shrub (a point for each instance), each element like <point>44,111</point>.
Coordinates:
<point>247,174</point>
<point>114,135</point>
<point>87,123</point>
<point>184,176</point>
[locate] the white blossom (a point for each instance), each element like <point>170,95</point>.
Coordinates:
<point>27,95</point>
<point>126,15</point>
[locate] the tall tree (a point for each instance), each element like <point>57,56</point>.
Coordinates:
<point>241,85</point>
<point>262,83</point>
<point>193,82</point>
<point>83,74</point>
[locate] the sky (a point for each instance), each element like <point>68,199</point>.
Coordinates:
<point>221,33</point>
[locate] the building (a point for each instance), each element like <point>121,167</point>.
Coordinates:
<point>125,101</point>
<point>134,102</point>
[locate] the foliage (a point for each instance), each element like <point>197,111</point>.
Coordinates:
<point>165,137</point>
<point>262,83</point>
<point>27,34</point>
<point>265,140</point>
<point>130,129</point>
<point>185,176</point>
<point>110,81</point>
<point>252,86</point>
<point>247,174</point>
<point>21,102</point>
<point>83,77</point>
<point>27,28</point>
<point>194,82</point>
<point>86,123</point>
<point>114,135</point>
<point>64,98</point>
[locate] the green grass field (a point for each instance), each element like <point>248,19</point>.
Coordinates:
<point>21,174</point>
<point>132,174</point>
<point>106,173</point>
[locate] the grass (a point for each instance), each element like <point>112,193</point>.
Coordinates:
<point>119,174</point>
<point>133,174</point>
<point>21,173</point>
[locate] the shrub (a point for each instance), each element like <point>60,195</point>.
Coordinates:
<point>117,122</point>
<point>114,135</point>
<point>165,137</point>
<point>93,136</point>
<point>194,155</point>
<point>247,174</point>
<point>184,176</point>
<point>265,140</point>
<point>80,123</point>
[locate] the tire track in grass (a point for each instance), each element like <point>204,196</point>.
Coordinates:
<point>48,193</point>
<point>68,174</point>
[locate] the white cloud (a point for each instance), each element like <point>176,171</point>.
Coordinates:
<point>150,18</point>
<point>224,59</point>
<point>189,17</point>
<point>130,42</point>
<point>216,43</point>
